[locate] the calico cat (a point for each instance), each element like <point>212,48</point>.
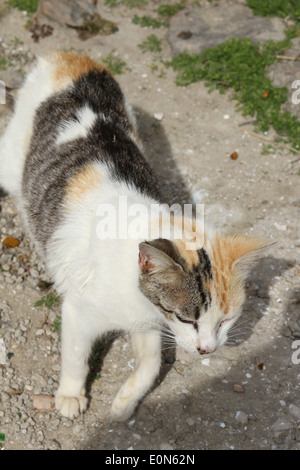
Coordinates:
<point>71,148</point>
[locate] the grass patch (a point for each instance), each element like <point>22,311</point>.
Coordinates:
<point>4,63</point>
<point>127,3</point>
<point>164,13</point>
<point>166,10</point>
<point>24,5</point>
<point>240,65</point>
<point>146,21</point>
<point>57,324</point>
<point>116,65</point>
<point>49,300</point>
<point>151,44</point>
<point>280,8</point>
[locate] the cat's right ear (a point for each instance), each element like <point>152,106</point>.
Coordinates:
<point>154,260</point>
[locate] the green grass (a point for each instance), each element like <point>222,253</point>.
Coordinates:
<point>57,324</point>
<point>49,300</point>
<point>166,10</point>
<point>240,65</point>
<point>25,5</point>
<point>151,44</point>
<point>164,13</point>
<point>127,3</point>
<point>4,63</point>
<point>146,21</point>
<point>280,8</point>
<point>116,65</point>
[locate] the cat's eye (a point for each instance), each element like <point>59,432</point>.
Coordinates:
<point>223,321</point>
<point>193,323</point>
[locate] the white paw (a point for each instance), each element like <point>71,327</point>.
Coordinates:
<point>71,407</point>
<point>122,408</point>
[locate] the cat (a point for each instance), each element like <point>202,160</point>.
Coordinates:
<point>72,147</point>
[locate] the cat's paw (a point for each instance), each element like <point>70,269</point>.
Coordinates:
<point>122,408</point>
<point>71,407</point>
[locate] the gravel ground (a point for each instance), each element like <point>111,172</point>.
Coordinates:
<point>246,396</point>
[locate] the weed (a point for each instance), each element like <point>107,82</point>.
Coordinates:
<point>16,42</point>
<point>49,300</point>
<point>116,65</point>
<point>267,149</point>
<point>111,3</point>
<point>25,5</point>
<point>57,324</point>
<point>166,11</point>
<point>151,44</point>
<point>281,8</point>
<point>240,65</point>
<point>135,3</point>
<point>127,3</point>
<point>146,21</point>
<point>4,63</point>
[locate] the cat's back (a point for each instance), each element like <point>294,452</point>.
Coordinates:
<point>78,122</point>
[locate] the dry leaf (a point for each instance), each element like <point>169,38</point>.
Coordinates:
<point>10,242</point>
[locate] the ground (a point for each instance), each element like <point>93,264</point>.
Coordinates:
<point>245,396</point>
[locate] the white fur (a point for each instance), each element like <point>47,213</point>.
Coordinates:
<point>38,87</point>
<point>71,130</point>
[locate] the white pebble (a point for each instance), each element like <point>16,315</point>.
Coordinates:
<point>159,116</point>
<point>205,362</point>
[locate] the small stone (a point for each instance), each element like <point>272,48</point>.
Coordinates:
<point>241,417</point>
<point>190,421</point>
<point>238,388</point>
<point>159,116</point>
<point>39,332</point>
<point>34,273</point>
<point>294,411</point>
<point>2,352</point>
<point>166,446</point>
<point>43,402</point>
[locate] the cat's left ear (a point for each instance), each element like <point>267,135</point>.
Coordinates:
<point>157,256</point>
<point>246,251</point>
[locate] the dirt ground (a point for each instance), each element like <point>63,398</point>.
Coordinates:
<point>189,135</point>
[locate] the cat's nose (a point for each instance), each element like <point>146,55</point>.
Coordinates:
<point>205,350</point>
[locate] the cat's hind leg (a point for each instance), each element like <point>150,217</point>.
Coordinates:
<point>147,347</point>
<point>70,398</point>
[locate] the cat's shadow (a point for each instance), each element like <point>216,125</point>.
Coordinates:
<point>159,154</point>
<point>257,301</point>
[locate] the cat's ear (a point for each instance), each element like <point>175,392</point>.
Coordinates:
<point>157,256</point>
<point>246,251</point>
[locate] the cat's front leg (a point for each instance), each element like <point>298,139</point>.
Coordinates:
<point>147,347</point>
<point>70,398</point>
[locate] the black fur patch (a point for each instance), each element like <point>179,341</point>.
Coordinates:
<point>203,273</point>
<point>49,167</point>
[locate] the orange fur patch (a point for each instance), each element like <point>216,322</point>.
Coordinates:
<point>191,257</point>
<point>70,67</point>
<point>225,250</point>
<point>85,180</point>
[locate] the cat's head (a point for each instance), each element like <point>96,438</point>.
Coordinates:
<point>199,293</point>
